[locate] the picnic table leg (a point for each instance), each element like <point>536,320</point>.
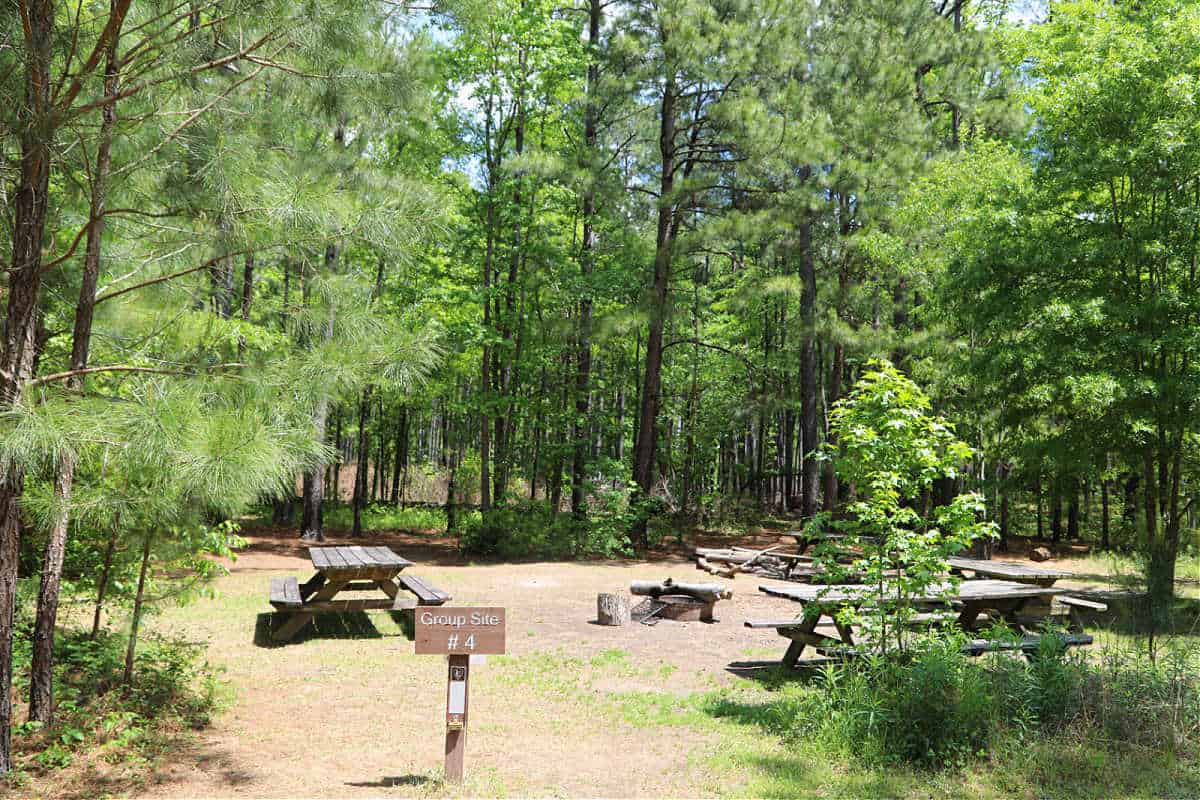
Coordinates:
<point>312,585</point>
<point>844,631</point>
<point>805,629</point>
<point>968,615</point>
<point>1011,614</point>
<point>327,589</point>
<point>392,589</point>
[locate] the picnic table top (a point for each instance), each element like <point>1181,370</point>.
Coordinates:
<point>354,557</point>
<point>967,591</point>
<point>1006,569</point>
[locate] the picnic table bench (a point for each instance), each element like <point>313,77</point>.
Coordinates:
<point>968,601</point>
<point>348,569</point>
<point>1006,571</point>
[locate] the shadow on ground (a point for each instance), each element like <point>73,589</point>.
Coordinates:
<point>334,625</point>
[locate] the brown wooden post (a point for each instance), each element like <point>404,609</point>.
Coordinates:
<point>456,715</point>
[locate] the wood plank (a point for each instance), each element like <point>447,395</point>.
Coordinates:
<point>285,593</point>
<point>1007,570</point>
<point>1079,602</point>
<point>349,604</point>
<point>774,623</point>
<point>319,557</point>
<point>853,594</point>
<point>388,557</point>
<point>352,556</point>
<point>336,559</point>
<point>428,595</point>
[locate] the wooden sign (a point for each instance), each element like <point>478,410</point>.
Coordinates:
<point>441,630</point>
<point>458,634</point>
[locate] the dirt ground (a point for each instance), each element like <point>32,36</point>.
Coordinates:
<point>350,711</point>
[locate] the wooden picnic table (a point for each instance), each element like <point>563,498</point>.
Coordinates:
<point>969,600</point>
<point>348,569</point>
<point>1007,571</point>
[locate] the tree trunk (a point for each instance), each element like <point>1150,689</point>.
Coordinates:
<point>131,647</point>
<point>311,523</point>
<point>41,698</point>
<point>360,464</point>
<point>809,466</point>
<point>586,264</point>
<point>1056,516</point>
<point>1002,471</point>
<point>102,584</point>
<point>35,124</point>
<point>1073,514</point>
<point>645,449</point>
<point>400,455</point>
<point>41,687</point>
<point>1104,515</point>
<point>247,296</point>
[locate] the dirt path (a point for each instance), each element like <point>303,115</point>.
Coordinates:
<point>352,712</point>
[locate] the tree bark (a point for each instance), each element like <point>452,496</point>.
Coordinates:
<point>131,647</point>
<point>400,455</point>
<point>41,685</point>
<point>311,523</point>
<point>36,126</point>
<point>646,446</point>
<point>809,466</point>
<point>360,464</point>
<point>586,265</point>
<point>247,296</point>
<point>102,584</point>
<point>1104,515</point>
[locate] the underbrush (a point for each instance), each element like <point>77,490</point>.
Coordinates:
<point>533,530</point>
<point>384,516</point>
<point>97,717</point>
<point>934,706</point>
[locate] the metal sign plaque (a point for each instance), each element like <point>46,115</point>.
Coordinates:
<point>459,631</point>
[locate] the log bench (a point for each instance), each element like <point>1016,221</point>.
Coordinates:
<point>681,600</point>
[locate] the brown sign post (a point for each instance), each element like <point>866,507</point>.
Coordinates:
<point>458,633</point>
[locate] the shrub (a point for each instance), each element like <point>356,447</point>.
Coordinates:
<point>172,688</point>
<point>933,705</point>
<point>533,530</point>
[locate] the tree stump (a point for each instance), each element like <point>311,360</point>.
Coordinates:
<point>612,609</point>
<point>1040,554</point>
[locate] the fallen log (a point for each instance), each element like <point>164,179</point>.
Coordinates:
<point>707,592</point>
<point>755,557</point>
<point>702,563</point>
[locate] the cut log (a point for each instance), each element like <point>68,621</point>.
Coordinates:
<point>708,592</point>
<point>612,609</point>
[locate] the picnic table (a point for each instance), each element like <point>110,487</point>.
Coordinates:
<point>1006,571</point>
<point>969,600</point>
<point>348,569</point>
